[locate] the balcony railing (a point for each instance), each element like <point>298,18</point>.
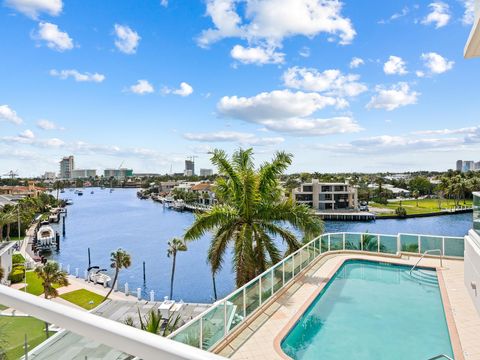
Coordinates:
<point>209,328</point>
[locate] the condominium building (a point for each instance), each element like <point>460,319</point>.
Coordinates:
<point>467,165</point>
<point>326,196</point>
<point>459,165</point>
<point>206,172</point>
<point>119,174</point>
<point>83,173</point>
<point>66,167</point>
<point>189,168</point>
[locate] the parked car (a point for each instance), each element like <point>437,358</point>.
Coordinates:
<point>363,206</point>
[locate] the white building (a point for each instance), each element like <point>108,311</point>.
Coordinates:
<point>206,172</point>
<point>326,196</point>
<point>67,165</point>
<point>49,175</point>
<point>83,173</point>
<point>6,252</point>
<point>472,255</point>
<point>472,48</point>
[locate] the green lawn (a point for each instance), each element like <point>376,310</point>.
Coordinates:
<point>34,284</point>
<point>13,331</point>
<point>83,298</point>
<point>424,206</point>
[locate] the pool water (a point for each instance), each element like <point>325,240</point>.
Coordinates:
<point>372,310</point>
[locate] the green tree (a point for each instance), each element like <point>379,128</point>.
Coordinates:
<point>175,245</point>
<point>58,185</point>
<point>250,213</point>
<point>416,195</point>
<point>51,275</point>
<point>119,259</point>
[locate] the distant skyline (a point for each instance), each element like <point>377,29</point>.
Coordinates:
<point>344,86</point>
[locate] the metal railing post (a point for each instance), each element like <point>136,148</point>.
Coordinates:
<point>201,333</point>
<point>273,269</point>
<point>260,290</point>
<point>283,273</point>
<point>399,246</point>
<point>293,265</point>
<point>419,244</point>
<point>225,330</point>
<point>328,242</point>
<point>443,245</point>
<point>343,239</point>
<point>378,243</point>
<point>244,303</point>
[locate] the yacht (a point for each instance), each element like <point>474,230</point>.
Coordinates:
<point>98,275</point>
<point>46,239</point>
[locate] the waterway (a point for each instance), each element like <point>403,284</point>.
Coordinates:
<point>105,221</point>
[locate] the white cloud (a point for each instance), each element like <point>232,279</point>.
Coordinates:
<point>287,112</point>
<point>395,65</point>
<point>356,62</point>
<point>78,76</point>
<point>164,3</point>
<point>396,96</point>
<point>439,15</point>
<point>469,14</point>
<point>304,52</point>
<point>10,115</point>
<point>184,90</point>
<point>55,38</point>
<point>270,21</point>
<point>398,15</point>
<point>126,39</point>
<point>142,87</point>
<point>436,63</point>
<point>33,8</point>
<point>27,134</point>
<point>331,82</point>
<point>256,55</point>
<point>465,130</point>
<point>48,125</point>
<point>420,73</point>
<point>234,136</point>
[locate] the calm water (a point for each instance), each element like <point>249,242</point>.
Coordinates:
<point>373,311</point>
<point>105,221</point>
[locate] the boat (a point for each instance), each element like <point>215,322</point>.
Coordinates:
<point>91,192</point>
<point>68,202</point>
<point>46,239</point>
<point>98,275</point>
<point>111,190</point>
<point>62,191</point>
<point>79,192</point>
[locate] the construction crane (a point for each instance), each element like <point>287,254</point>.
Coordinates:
<point>121,165</point>
<point>192,158</point>
<point>11,174</point>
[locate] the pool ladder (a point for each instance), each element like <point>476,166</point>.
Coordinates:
<point>425,253</point>
<point>441,356</point>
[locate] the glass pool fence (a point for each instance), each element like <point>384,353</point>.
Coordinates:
<point>209,328</point>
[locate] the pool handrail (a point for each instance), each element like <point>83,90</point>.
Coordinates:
<point>425,253</point>
<point>440,357</point>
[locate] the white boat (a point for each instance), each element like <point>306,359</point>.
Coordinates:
<point>46,239</point>
<point>98,276</point>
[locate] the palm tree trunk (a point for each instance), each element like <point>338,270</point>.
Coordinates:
<point>173,274</point>
<point>1,233</point>
<point>214,287</point>
<point>113,285</point>
<point>8,232</point>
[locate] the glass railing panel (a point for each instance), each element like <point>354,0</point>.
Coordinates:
<point>369,242</point>
<point>476,211</point>
<point>336,242</point>
<point>318,244</point>
<point>430,243</point>
<point>252,297</point>
<point>454,246</point>
<point>213,326</point>
<point>277,277</point>
<point>267,285</point>
<point>324,243</point>
<point>388,244</point>
<point>306,257</point>
<point>297,257</point>
<point>190,335</point>
<point>236,310</point>
<point>352,241</point>
<point>312,252</point>
<point>409,243</point>
<point>288,268</point>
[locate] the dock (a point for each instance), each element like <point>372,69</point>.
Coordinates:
<point>346,216</point>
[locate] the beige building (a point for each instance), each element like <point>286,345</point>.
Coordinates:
<point>472,48</point>
<point>327,196</point>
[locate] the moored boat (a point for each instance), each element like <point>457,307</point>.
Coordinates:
<point>46,239</point>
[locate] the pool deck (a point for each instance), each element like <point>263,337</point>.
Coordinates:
<point>260,338</point>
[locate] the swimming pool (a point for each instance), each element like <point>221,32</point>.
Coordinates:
<point>371,310</point>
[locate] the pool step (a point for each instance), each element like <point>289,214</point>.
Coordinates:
<point>424,277</point>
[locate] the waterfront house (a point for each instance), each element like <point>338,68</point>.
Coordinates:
<point>6,252</point>
<point>31,190</point>
<point>206,195</point>
<point>323,196</point>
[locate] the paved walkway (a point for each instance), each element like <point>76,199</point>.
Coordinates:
<point>261,338</point>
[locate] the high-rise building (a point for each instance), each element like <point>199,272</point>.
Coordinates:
<point>83,173</point>
<point>477,166</point>
<point>206,172</point>
<point>459,165</point>
<point>66,167</point>
<point>468,165</point>
<point>119,174</point>
<point>189,168</point>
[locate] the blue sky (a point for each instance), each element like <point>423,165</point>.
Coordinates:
<point>344,86</point>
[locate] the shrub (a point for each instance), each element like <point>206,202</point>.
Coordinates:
<point>18,259</point>
<point>381,200</point>
<point>17,274</point>
<point>400,211</point>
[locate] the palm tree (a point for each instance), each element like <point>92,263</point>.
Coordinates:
<point>51,275</point>
<point>2,273</point>
<point>174,246</point>
<point>119,259</point>
<point>250,213</point>
<point>58,185</point>
<point>416,195</point>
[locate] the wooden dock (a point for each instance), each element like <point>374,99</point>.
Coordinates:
<point>346,216</point>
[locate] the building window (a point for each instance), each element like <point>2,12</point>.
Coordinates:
<point>307,188</point>
<point>303,197</point>
<point>326,188</point>
<point>340,188</point>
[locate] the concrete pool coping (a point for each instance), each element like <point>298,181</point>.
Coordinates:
<point>261,337</point>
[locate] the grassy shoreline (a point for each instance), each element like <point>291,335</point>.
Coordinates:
<point>424,207</point>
